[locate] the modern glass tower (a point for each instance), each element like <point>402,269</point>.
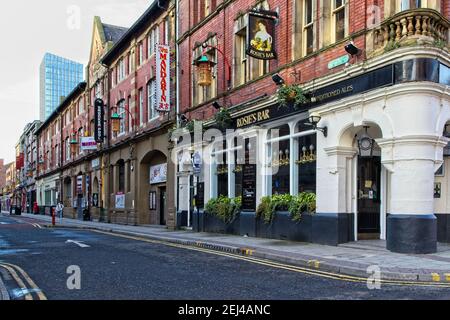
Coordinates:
<point>58,77</point>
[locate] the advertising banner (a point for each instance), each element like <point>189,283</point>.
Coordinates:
<point>162,78</point>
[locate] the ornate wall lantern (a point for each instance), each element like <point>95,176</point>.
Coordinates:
<point>73,144</point>
<point>115,122</point>
<point>204,70</point>
<point>365,144</point>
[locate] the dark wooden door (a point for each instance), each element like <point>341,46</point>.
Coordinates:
<point>369,176</point>
<point>162,207</point>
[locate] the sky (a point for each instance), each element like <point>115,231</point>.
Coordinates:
<point>29,29</point>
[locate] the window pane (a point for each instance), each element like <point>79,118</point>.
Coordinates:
<point>340,25</point>
<point>307,163</point>
<point>280,165</point>
<point>309,40</point>
<point>308,11</point>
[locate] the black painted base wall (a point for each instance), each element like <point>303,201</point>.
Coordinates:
<point>443,227</point>
<point>332,228</point>
<point>414,234</point>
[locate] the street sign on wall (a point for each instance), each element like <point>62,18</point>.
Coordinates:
<point>162,78</point>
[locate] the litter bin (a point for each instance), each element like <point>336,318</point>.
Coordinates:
<point>86,215</point>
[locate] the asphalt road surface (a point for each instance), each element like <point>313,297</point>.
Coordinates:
<point>108,267</point>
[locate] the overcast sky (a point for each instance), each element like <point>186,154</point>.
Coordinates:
<point>28,29</point>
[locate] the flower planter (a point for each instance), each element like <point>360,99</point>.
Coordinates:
<point>213,224</point>
<point>283,228</point>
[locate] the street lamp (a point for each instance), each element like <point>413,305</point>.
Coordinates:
<point>73,144</point>
<point>116,118</point>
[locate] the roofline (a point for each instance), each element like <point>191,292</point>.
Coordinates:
<point>81,87</point>
<point>107,58</point>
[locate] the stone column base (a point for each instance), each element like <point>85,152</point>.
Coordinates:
<point>416,234</point>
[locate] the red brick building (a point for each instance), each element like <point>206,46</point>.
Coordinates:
<point>340,54</point>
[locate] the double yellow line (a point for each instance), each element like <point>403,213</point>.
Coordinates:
<point>20,277</point>
<point>245,256</point>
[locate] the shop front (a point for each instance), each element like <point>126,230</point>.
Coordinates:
<point>48,190</point>
<point>359,160</point>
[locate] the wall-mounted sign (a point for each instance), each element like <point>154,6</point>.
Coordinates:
<point>99,111</point>
<point>80,184</point>
<point>197,163</point>
<point>338,62</point>
<point>120,201</point>
<point>95,163</point>
<point>249,187</point>
<point>162,78</point>
<point>88,143</point>
<point>158,174</point>
<point>261,36</point>
<point>95,200</point>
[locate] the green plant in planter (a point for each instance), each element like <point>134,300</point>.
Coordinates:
<point>223,119</point>
<point>270,205</point>
<point>224,208</point>
<point>304,202</point>
<point>288,94</point>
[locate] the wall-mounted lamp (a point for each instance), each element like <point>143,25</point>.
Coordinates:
<point>217,105</point>
<point>314,120</point>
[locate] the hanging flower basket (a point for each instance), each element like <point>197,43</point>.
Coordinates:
<point>291,94</point>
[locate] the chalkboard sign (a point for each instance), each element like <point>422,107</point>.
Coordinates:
<point>249,187</point>
<point>200,199</point>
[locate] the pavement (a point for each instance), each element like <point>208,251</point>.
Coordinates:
<point>351,259</point>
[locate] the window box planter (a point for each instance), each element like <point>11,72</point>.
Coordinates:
<point>213,224</point>
<point>283,228</point>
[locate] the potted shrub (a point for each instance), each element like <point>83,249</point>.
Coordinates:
<point>223,119</point>
<point>291,94</point>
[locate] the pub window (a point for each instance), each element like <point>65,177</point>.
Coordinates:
<point>238,162</point>
<point>202,94</point>
<point>151,103</point>
<point>339,19</point>
<point>308,27</point>
<point>306,161</point>
<point>279,159</point>
<point>410,4</point>
<point>303,28</point>
<point>220,169</point>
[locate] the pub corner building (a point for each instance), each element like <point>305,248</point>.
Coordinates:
<point>369,137</point>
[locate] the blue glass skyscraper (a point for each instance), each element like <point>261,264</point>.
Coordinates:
<point>58,77</point>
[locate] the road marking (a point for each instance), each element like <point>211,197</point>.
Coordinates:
<point>3,223</point>
<point>34,287</point>
<point>323,274</point>
<point>78,243</point>
<point>19,281</point>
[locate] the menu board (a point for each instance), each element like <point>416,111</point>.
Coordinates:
<point>249,187</point>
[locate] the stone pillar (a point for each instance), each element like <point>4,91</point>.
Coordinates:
<point>170,188</point>
<point>333,224</point>
<point>411,224</point>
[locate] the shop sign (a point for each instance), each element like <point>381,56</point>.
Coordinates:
<point>80,184</point>
<point>120,201</point>
<point>95,163</point>
<point>338,62</point>
<point>162,78</point>
<point>158,174</point>
<point>88,144</point>
<point>95,200</point>
<point>99,111</point>
<point>261,35</point>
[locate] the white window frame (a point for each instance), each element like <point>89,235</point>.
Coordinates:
<point>151,101</point>
<point>306,25</point>
<point>334,11</point>
<point>141,106</point>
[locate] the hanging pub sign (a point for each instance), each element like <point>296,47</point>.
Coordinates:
<point>162,78</point>
<point>99,111</point>
<point>261,35</point>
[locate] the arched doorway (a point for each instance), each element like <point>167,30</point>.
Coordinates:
<point>369,181</point>
<point>152,191</point>
<point>67,198</point>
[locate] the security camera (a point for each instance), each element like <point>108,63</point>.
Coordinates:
<point>279,81</point>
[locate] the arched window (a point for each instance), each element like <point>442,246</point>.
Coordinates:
<point>121,176</point>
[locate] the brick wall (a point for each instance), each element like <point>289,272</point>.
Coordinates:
<point>222,23</point>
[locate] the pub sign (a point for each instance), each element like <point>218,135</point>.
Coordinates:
<point>261,35</point>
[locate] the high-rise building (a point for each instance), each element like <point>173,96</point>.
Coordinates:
<point>58,77</point>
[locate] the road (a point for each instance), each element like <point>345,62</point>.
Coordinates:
<point>114,267</point>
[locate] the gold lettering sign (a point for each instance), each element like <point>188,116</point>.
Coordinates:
<point>253,118</point>
<point>335,93</point>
